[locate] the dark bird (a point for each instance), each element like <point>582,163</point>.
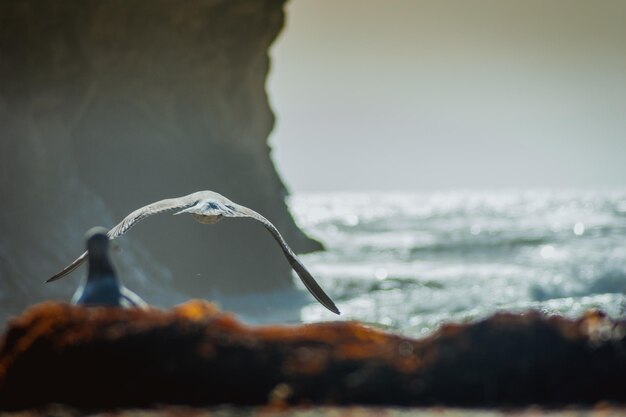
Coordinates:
<point>209,207</point>
<point>102,287</point>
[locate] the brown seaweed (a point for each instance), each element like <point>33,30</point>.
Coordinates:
<point>196,355</point>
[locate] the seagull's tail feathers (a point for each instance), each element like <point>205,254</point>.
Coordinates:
<point>78,262</point>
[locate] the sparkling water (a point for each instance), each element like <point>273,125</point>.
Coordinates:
<point>409,262</point>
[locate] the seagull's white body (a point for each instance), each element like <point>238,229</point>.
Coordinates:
<point>209,207</point>
<point>102,287</point>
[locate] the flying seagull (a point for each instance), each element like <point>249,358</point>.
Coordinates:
<point>209,207</point>
<point>102,287</point>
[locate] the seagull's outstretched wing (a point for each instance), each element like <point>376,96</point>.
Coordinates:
<point>207,207</point>
<point>77,262</point>
<point>132,219</point>
<point>162,206</point>
<point>227,208</point>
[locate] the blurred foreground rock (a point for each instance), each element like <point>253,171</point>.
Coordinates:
<point>197,355</point>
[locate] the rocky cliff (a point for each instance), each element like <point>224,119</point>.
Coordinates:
<point>107,106</point>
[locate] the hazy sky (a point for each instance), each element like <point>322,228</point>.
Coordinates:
<point>391,94</point>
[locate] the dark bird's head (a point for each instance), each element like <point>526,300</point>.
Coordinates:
<point>97,242</point>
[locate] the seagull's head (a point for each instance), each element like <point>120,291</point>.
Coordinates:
<point>97,241</point>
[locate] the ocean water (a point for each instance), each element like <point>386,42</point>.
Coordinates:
<point>409,262</point>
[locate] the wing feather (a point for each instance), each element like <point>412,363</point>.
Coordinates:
<point>77,262</point>
<point>213,205</point>
<point>162,206</point>
<point>305,276</point>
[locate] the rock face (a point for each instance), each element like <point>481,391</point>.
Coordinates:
<point>196,355</point>
<point>107,106</point>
